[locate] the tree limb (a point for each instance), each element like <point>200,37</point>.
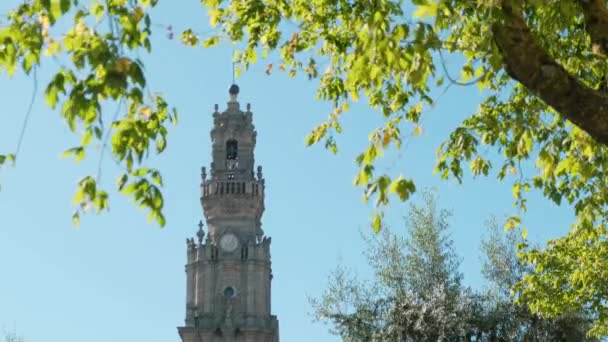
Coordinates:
<point>596,22</point>
<point>525,61</point>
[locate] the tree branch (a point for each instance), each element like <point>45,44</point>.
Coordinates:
<point>596,22</point>
<point>525,61</point>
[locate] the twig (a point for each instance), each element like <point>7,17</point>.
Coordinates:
<point>106,138</point>
<point>453,80</point>
<point>27,113</point>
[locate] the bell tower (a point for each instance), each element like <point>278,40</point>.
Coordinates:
<point>228,271</point>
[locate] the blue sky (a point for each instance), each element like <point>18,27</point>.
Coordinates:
<point>120,278</point>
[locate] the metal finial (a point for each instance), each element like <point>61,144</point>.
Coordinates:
<point>234,89</point>
<point>200,234</point>
<point>248,107</point>
<point>216,107</point>
<point>234,93</point>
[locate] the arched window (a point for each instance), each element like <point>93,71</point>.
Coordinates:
<point>232,148</point>
<point>229,292</point>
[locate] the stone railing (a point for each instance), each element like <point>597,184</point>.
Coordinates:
<point>232,187</point>
<point>244,322</point>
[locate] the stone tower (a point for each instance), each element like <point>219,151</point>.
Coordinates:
<point>228,272</point>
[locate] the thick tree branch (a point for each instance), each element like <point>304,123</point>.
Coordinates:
<point>525,61</point>
<point>596,22</point>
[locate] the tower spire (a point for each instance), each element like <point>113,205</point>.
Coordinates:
<point>229,272</point>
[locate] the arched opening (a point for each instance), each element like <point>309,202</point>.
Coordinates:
<point>232,149</point>
<point>229,292</point>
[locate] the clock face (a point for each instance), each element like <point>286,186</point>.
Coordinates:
<point>229,242</point>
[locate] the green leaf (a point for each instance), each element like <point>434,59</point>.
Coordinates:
<point>130,189</point>
<point>76,219</point>
<point>79,154</point>
<point>524,147</point>
<point>161,144</point>
<point>189,38</point>
<point>97,10</point>
<point>317,134</point>
<point>51,96</point>
<point>157,178</point>
<point>160,219</point>
<point>86,137</point>
<point>512,223</point>
<point>429,9</point>
<point>141,172</point>
<point>402,187</point>
<point>8,158</point>
<point>364,175</point>
<point>370,154</point>
<point>65,5</point>
<point>377,223</point>
<point>121,181</point>
<point>210,42</point>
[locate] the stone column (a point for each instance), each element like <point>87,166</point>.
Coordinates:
<point>190,283</point>
<point>202,303</point>
<point>250,306</point>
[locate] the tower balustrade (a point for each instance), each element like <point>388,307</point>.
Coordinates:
<point>212,188</point>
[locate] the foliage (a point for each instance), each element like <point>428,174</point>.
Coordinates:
<point>416,292</point>
<point>542,65</point>
<point>509,319</point>
<point>101,69</point>
<point>501,267</point>
<point>429,252</point>
<point>11,336</point>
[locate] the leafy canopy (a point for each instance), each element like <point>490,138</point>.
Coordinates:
<point>542,64</point>
<point>416,294</point>
<point>543,67</point>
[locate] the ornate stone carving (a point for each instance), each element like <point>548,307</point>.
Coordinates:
<point>200,234</point>
<point>204,173</point>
